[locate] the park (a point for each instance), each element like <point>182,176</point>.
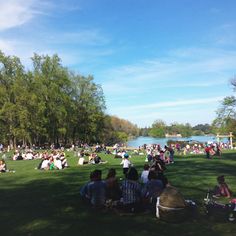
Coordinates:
<point>36,202</point>
<point>91,88</point>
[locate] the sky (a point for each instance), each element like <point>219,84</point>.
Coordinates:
<point>155,59</point>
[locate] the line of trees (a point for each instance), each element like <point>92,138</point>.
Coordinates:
<point>159,129</point>
<point>50,104</point>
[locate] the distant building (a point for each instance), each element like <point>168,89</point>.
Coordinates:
<point>173,135</point>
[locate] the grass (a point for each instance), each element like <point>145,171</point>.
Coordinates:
<point>34,202</point>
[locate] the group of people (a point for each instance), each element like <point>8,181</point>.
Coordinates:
<point>55,160</point>
<point>28,154</point>
<point>92,158</point>
<point>212,150</point>
<point>166,154</point>
<point>133,193</point>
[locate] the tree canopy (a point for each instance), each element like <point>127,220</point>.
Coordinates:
<point>48,103</point>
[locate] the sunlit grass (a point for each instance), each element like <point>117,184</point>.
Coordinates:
<point>34,202</point>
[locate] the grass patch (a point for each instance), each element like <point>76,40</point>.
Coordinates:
<point>34,202</point>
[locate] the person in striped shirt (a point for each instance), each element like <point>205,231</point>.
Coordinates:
<point>131,191</point>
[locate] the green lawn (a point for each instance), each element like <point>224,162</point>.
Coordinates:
<point>34,202</point>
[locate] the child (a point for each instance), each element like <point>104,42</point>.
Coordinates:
<point>126,164</point>
<point>222,189</point>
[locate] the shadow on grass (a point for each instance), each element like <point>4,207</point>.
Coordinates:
<point>52,206</point>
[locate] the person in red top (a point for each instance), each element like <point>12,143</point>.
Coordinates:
<point>207,151</point>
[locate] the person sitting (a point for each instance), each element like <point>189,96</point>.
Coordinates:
<point>82,161</point>
<point>97,159</point>
<point>152,189</point>
<point>158,165</point>
<point>144,175</point>
<point>3,166</point>
<point>57,163</point>
<point>131,191</point>
<point>222,189</point>
<point>64,162</point>
<point>113,191</point>
<point>97,190</point>
<point>45,164</point>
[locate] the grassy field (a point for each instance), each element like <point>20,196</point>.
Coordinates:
<point>34,202</point>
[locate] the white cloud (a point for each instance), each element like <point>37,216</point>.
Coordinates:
<point>15,13</point>
<point>179,69</point>
<point>167,104</point>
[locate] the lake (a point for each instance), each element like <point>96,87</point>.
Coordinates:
<point>139,141</point>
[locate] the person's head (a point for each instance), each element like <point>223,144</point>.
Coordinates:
<point>146,167</point>
<point>132,174</point>
<point>111,173</point>
<point>126,155</point>
<point>221,179</point>
<point>96,175</point>
<point>152,175</point>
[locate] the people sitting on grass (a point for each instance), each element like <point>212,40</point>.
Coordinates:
<point>127,196</point>
<point>222,189</point>
<point>53,161</point>
<point>95,159</point>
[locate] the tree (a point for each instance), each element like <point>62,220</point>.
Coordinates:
<point>226,114</point>
<point>158,129</point>
<point>12,75</point>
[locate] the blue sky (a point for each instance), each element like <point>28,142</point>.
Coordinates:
<point>155,59</point>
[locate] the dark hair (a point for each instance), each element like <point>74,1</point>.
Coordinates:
<point>146,167</point>
<point>221,179</point>
<point>96,175</point>
<point>152,175</point>
<point>132,174</point>
<point>111,173</point>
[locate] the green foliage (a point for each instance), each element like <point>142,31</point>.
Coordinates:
<point>225,121</point>
<point>48,104</point>
<point>158,129</point>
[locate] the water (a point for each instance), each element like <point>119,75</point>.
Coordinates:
<point>139,141</point>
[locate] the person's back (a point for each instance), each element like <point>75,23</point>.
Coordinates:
<point>131,189</point>
<point>97,190</point>
<point>113,191</point>
<point>144,175</point>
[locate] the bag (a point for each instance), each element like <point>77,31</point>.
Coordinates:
<point>172,207</point>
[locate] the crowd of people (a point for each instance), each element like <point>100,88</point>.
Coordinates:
<point>128,194</point>
<point>133,193</point>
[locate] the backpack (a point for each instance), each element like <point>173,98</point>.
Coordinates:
<point>172,207</point>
